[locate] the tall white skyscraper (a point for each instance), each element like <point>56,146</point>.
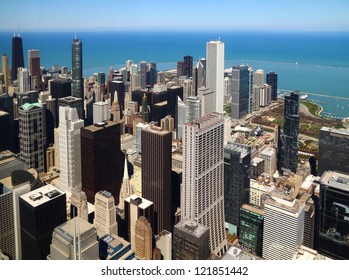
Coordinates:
<point>69,149</point>
<point>258,78</point>
<point>283,227</point>
<point>181,114</point>
<point>23,79</point>
<point>202,194</point>
<point>215,72</point>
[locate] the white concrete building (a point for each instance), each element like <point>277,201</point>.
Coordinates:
<point>139,128</point>
<point>283,227</point>
<point>105,214</point>
<point>100,112</point>
<point>164,243</point>
<point>202,192</point>
<point>69,149</point>
<point>258,77</point>
<point>269,156</point>
<point>215,72</point>
<point>23,79</point>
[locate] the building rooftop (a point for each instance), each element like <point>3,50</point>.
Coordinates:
<point>236,253</point>
<point>42,195</point>
<point>101,103</point>
<point>29,106</point>
<point>283,202</point>
<point>244,150</point>
<point>305,253</point>
<point>99,126</point>
<point>253,209</point>
<point>265,185</point>
<point>206,121</point>
<point>256,161</point>
<point>342,131</point>
<point>68,228</point>
<point>336,179</point>
<point>192,227</point>
<point>142,202</point>
<point>156,130</point>
<point>309,182</point>
<point>268,151</point>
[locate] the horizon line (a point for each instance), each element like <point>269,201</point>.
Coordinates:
<point>109,29</point>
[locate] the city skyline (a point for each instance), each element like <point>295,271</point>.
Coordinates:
<point>228,161</point>
<point>254,15</point>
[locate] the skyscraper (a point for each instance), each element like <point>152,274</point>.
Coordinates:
<point>202,194</point>
<point>180,69</point>
<point>193,111</point>
<point>78,82</point>
<point>258,77</point>
<point>237,169</point>
<point>250,90</point>
<point>143,239</point>
<point>105,214</point>
<point>283,227</point>
<point>17,56</point>
<point>143,72</point>
<point>251,229</point>
<point>7,227</point>
<point>333,150</point>
<point>200,74</point>
<point>31,135</point>
<point>188,66</point>
<point>272,80</point>
<point>288,155</point>
<point>74,240</point>
<point>102,161</point>
<point>23,79</point>
<point>34,64</point>
<point>240,91</point>
<point>215,72</point>
<point>191,241</point>
<point>156,174</point>
<point>135,207</point>
<point>180,117</point>
<point>69,149</point>
<point>334,215</point>
<point>5,71</point>
<point>153,74</point>
<point>41,210</point>
<point>72,102</point>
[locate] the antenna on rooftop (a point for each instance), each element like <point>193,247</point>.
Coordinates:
<point>75,34</point>
<point>19,34</point>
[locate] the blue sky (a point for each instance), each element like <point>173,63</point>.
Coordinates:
<point>79,15</point>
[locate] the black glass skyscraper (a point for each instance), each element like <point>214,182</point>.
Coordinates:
<point>78,87</point>
<point>334,215</point>
<point>333,150</point>
<point>272,80</point>
<point>240,91</point>
<point>17,56</point>
<point>288,154</point>
<point>188,66</point>
<point>237,170</point>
